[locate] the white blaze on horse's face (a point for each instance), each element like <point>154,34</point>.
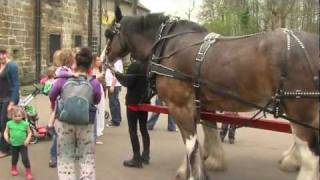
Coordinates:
<point>190,144</point>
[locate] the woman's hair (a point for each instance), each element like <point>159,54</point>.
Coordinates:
<point>63,57</point>
<point>84,58</point>
<point>56,58</point>
<point>94,59</point>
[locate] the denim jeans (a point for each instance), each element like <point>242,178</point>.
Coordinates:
<point>114,105</point>
<point>155,116</point>
<point>53,149</point>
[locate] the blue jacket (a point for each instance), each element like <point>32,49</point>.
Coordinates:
<point>13,79</point>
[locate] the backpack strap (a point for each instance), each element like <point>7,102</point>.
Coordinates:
<point>90,78</point>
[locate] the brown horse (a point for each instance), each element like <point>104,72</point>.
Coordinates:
<point>250,67</point>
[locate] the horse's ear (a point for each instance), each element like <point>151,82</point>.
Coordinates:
<point>118,14</point>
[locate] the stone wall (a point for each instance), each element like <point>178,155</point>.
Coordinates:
<point>67,18</point>
<point>16,32</point>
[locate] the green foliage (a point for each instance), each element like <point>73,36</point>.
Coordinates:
<point>244,17</point>
<point>239,17</point>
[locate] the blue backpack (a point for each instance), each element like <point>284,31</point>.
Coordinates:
<point>75,104</point>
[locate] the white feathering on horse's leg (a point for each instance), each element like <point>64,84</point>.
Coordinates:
<point>309,162</point>
<point>182,171</point>
<point>291,160</point>
<point>190,144</point>
<point>190,147</point>
<point>214,152</point>
<point>195,161</point>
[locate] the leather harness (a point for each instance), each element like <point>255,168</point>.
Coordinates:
<point>156,68</point>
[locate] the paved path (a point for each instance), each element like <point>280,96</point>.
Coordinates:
<point>253,157</point>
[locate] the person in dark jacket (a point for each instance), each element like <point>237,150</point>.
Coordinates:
<point>136,82</point>
<point>9,95</point>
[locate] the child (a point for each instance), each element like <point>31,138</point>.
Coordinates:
<point>18,134</point>
<point>48,81</point>
<point>64,60</point>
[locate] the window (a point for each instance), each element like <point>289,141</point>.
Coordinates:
<point>77,41</point>
<point>94,44</point>
<point>54,44</point>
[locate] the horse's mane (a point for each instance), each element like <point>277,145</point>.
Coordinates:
<point>150,23</point>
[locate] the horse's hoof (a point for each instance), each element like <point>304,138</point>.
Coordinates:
<point>288,165</point>
<point>213,164</point>
<point>181,176</point>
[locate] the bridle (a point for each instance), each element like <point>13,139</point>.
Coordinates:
<point>115,31</point>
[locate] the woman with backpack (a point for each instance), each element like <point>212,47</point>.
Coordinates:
<point>76,114</point>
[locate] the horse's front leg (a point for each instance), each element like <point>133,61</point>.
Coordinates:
<point>194,168</point>
<point>291,159</point>
<point>214,155</point>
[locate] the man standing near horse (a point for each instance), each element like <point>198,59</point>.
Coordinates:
<point>136,82</point>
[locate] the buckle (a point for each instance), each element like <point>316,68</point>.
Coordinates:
<point>197,103</point>
<point>196,84</point>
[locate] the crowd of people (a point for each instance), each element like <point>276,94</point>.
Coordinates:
<point>78,86</point>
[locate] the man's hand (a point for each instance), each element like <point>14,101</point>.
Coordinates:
<point>111,68</point>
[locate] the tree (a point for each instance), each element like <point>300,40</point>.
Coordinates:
<point>229,17</point>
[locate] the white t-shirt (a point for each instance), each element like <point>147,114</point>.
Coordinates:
<point>118,66</point>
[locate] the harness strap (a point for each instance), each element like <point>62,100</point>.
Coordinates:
<point>157,49</point>
<point>281,92</point>
<point>171,36</point>
<point>222,91</point>
<point>208,41</point>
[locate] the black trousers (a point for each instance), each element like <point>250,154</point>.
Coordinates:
<point>23,150</point>
<point>133,118</point>
<point>4,146</point>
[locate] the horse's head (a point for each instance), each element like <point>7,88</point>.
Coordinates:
<point>117,46</point>
<point>132,34</point>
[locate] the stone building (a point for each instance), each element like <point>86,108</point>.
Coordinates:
<point>34,29</point>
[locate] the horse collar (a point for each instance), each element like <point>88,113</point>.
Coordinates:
<point>158,48</point>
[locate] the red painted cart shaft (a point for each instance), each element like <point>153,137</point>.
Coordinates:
<point>265,124</point>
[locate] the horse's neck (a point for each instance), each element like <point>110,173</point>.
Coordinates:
<point>140,47</point>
